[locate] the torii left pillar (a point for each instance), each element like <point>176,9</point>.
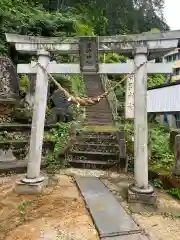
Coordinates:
<point>33,183</point>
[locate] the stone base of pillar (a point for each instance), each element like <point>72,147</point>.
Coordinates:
<point>30,186</point>
<point>144,196</point>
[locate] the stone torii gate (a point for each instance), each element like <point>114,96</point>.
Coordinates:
<point>140,46</point>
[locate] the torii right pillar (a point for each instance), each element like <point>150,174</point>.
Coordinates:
<point>141,191</point>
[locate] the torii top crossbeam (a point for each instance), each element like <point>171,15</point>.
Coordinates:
<point>155,42</point>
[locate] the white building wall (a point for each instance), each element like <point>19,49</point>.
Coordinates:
<point>165,99</point>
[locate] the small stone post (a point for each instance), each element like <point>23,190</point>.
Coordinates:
<point>141,191</point>
<point>33,182</point>
<point>176,170</point>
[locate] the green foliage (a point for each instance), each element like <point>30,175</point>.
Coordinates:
<point>78,90</point>
<point>22,207</point>
<point>157,183</point>
<point>60,135</point>
<point>24,84</point>
<point>110,17</point>
<point>22,17</point>
<point>84,30</point>
<point>175,192</point>
<point>158,145</point>
<point>129,136</point>
<point>155,80</point>
<point>155,30</point>
<point>113,58</point>
<point>78,86</point>
<point>85,18</point>
<point>162,155</point>
<point>92,15</point>
<point>77,17</point>
<point>64,80</point>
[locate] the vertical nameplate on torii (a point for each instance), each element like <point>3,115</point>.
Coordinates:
<point>88,52</point>
<point>129,102</point>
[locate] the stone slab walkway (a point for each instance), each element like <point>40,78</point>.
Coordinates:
<point>110,218</point>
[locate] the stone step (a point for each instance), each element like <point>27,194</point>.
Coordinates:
<point>102,108</point>
<point>104,105</point>
<point>22,143</point>
<point>100,122</point>
<point>93,90</point>
<point>80,161</point>
<point>110,140</point>
<point>98,141</point>
<point>93,93</point>
<point>104,113</point>
<point>103,138</point>
<point>99,111</point>
<point>15,127</point>
<point>102,102</point>
<point>72,157</point>
<point>96,88</point>
<point>95,147</point>
<point>100,156</point>
<point>100,134</point>
<point>16,166</point>
<point>99,114</point>
<point>14,141</point>
<point>95,115</point>
<point>91,164</point>
<point>18,150</point>
<point>99,107</point>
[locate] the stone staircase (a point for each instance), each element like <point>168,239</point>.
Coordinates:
<point>101,113</point>
<point>98,149</point>
<point>105,147</point>
<point>14,146</point>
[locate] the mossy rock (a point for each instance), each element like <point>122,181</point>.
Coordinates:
<point>173,134</point>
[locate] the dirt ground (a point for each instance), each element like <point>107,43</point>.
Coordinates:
<point>59,213</point>
<point>161,224</point>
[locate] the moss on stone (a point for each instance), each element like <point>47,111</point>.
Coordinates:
<point>173,134</point>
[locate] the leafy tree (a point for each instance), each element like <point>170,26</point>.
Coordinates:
<point>22,17</point>
<point>125,16</point>
<point>156,80</point>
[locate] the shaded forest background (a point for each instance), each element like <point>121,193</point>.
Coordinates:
<point>79,17</point>
<point>117,16</point>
